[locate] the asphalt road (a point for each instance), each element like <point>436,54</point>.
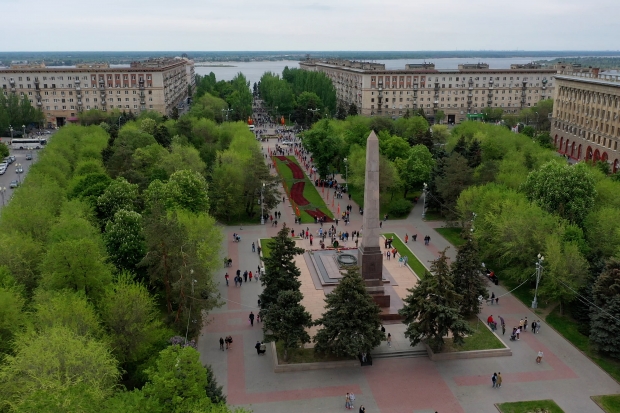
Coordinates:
<point>11,175</point>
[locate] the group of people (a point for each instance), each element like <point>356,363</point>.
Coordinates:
<point>239,280</point>
<point>228,341</point>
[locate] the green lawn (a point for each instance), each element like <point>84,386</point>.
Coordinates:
<point>310,191</point>
<point>433,216</point>
<point>482,339</point>
<point>265,244</point>
<point>452,235</point>
<point>529,407</point>
<point>609,403</point>
<point>402,249</point>
<point>305,355</point>
<point>567,327</point>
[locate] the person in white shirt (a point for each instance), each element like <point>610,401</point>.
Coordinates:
<point>539,358</point>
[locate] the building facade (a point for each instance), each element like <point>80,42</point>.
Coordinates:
<point>467,90</point>
<point>585,123</point>
<point>63,92</point>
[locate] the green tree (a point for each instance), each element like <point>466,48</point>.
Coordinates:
<point>393,146</point>
<point>467,279</point>
<point>129,313</point>
<point>432,309</point>
<point>124,239</point>
<point>120,194</point>
<point>416,168</point>
<point>353,111</point>
<point>281,273</point>
<point>86,365</point>
<point>214,391</point>
<point>457,176</point>
<point>341,112</point>
<point>604,325</point>
<point>4,151</point>
<point>566,190</point>
<point>286,321</point>
<point>12,316</point>
<point>66,309</point>
<point>177,380</point>
<point>351,323</point>
<point>306,107</point>
<point>77,265</point>
<point>188,190</point>
<point>440,115</point>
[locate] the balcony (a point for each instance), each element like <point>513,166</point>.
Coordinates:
<point>78,88</point>
<point>39,103</point>
<point>490,95</point>
<point>79,102</point>
<point>103,102</point>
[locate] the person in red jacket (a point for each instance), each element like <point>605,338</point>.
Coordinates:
<point>490,320</point>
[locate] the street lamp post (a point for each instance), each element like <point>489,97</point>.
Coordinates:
<point>189,315</point>
<point>24,130</point>
<point>424,206</point>
<point>119,122</point>
<point>313,112</point>
<point>536,120</point>
<point>346,174</point>
<point>227,110</point>
<point>539,270</point>
<point>11,129</point>
<point>276,115</point>
<point>262,215</point>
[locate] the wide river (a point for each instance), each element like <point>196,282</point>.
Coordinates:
<point>254,70</point>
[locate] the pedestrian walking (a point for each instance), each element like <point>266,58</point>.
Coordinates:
<point>534,327</point>
<point>539,358</point>
<point>352,399</point>
<point>221,344</point>
<point>251,318</point>
<point>499,379</point>
<point>494,379</point>
<point>406,238</point>
<point>226,277</point>
<point>347,401</point>
<point>245,276</point>
<point>525,325</point>
<point>387,254</point>
<point>257,347</point>
<point>380,224</point>
<point>389,340</point>
<point>362,409</point>
<point>537,326</point>
<point>253,247</point>
<point>518,332</point>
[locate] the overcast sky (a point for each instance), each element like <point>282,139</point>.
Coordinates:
<point>85,25</point>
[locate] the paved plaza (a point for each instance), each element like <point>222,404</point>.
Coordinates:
<point>391,385</point>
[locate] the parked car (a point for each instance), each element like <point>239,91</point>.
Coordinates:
<point>13,184</point>
<point>19,170</point>
<point>8,160</point>
<point>28,157</point>
<point>13,158</point>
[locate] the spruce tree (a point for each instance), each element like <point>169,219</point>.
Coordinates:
<point>467,280</point>
<point>431,310</point>
<point>287,321</point>
<point>281,273</point>
<point>350,324</point>
<point>474,154</point>
<point>214,392</point>
<point>605,329</point>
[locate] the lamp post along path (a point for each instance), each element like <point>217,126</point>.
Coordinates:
<point>539,270</point>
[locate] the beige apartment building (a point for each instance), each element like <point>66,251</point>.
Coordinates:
<point>458,93</point>
<point>585,123</point>
<point>63,92</point>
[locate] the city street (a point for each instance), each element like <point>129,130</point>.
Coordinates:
<point>10,174</point>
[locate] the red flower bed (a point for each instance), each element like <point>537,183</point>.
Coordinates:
<point>297,172</point>
<point>297,194</point>
<point>282,158</point>
<point>316,213</point>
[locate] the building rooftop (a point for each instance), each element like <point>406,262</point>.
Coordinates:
<point>592,78</point>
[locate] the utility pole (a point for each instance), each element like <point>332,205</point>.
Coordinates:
<point>227,110</point>
<point>424,206</point>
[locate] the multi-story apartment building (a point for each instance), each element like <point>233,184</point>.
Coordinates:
<point>63,92</point>
<point>458,93</point>
<point>586,123</point>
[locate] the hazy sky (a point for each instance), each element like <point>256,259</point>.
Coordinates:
<point>83,25</point>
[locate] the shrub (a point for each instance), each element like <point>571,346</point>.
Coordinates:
<point>399,208</point>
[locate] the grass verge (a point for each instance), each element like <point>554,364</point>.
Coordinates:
<point>567,327</point>
<point>452,235</point>
<point>305,355</point>
<point>413,261</point>
<point>265,244</point>
<point>310,191</point>
<point>531,406</point>
<point>609,403</point>
<point>481,339</point>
